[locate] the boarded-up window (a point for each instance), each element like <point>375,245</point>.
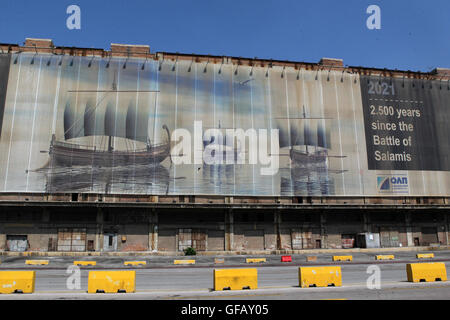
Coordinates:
<point>199,240</point>
<point>184,239</point>
<point>194,238</point>
<point>297,240</point>
<point>302,239</point>
<point>71,239</point>
<point>388,238</point>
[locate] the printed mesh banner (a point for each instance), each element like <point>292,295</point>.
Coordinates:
<point>136,126</point>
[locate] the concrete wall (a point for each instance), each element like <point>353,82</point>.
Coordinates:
<point>167,230</point>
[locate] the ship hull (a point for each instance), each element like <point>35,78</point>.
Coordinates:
<point>67,155</point>
<point>317,158</point>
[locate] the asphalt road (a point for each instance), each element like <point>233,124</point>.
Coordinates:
<point>274,282</point>
<point>153,261</point>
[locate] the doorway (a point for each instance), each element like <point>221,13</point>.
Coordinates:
<point>318,244</point>
<point>72,239</point>
<point>110,241</point>
<point>389,237</point>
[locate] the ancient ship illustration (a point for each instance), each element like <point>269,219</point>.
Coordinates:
<point>103,123</point>
<point>307,140</point>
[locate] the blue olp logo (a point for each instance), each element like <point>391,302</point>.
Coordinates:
<point>392,184</point>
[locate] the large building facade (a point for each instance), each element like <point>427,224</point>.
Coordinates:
<point>132,151</point>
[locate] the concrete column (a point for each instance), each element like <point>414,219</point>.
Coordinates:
<point>153,231</point>
<point>229,231</point>
<point>277,223</point>
<point>366,222</point>
<point>99,232</point>
<point>44,222</point>
<point>323,230</point>
<point>2,238</point>
<point>150,231</point>
<point>446,221</point>
<point>409,236</point>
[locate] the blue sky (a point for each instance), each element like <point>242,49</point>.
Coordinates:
<point>414,34</point>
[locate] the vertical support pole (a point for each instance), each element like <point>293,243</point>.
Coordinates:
<point>446,227</point>
<point>277,222</point>
<point>153,231</point>
<point>150,230</point>
<point>366,222</point>
<point>229,231</point>
<point>45,221</point>
<point>323,230</point>
<point>409,236</point>
<point>99,233</point>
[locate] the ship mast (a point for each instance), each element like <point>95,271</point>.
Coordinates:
<point>110,138</point>
<point>304,116</point>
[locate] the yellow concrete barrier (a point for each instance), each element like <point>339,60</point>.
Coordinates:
<point>111,281</point>
<point>85,263</point>
<point>183,261</point>
<point>235,279</point>
<point>385,257</point>
<point>425,255</point>
<point>17,281</point>
<point>342,258</point>
<point>255,260</point>
<point>428,272</point>
<point>319,276</point>
<point>135,263</point>
<point>36,262</point>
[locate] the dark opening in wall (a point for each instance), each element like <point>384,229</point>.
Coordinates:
<point>106,216</point>
<point>74,196</point>
<point>68,215</point>
<point>90,245</point>
<point>318,243</point>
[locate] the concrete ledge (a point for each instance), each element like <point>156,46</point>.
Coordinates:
<point>217,253</point>
<point>244,205</point>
